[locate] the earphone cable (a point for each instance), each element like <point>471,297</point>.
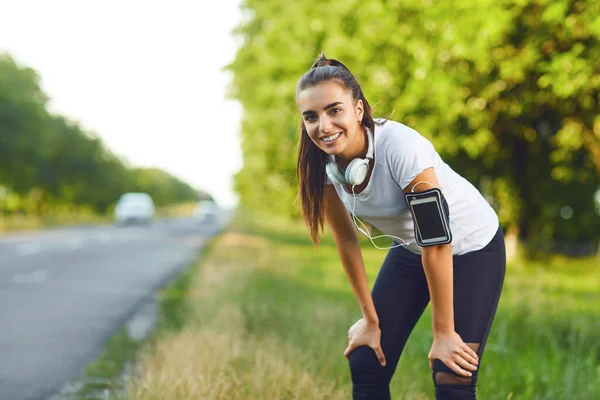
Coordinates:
<point>366,230</point>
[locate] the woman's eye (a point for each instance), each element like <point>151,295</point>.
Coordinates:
<point>309,118</point>
<point>335,110</point>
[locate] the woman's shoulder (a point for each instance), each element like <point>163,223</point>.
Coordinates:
<point>392,132</point>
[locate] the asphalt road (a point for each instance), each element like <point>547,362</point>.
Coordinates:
<point>64,292</point>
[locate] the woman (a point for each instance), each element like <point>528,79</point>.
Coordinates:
<point>351,165</point>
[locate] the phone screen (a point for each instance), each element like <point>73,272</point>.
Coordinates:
<point>427,215</point>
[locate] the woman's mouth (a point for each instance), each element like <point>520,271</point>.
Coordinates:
<point>332,138</point>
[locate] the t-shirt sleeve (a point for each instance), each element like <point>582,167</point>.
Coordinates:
<point>408,154</point>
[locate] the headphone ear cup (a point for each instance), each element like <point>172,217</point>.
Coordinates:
<point>334,174</point>
<point>357,170</point>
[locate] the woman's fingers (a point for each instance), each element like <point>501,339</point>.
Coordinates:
<point>379,353</point>
<point>458,370</point>
<point>461,362</point>
<point>471,352</point>
<point>349,349</point>
<point>377,349</point>
<point>468,357</point>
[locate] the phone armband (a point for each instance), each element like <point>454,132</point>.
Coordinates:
<point>431,217</point>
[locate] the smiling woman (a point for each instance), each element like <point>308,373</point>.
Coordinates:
<point>448,245</point>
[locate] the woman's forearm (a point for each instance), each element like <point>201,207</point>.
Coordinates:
<point>437,263</point>
<point>352,260</point>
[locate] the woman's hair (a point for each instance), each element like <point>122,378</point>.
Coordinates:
<point>310,165</point>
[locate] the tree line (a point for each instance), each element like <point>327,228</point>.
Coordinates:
<point>49,162</point>
<point>508,91</point>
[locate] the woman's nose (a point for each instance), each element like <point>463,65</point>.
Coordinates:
<point>325,124</point>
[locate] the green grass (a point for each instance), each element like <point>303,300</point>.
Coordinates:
<point>285,309</point>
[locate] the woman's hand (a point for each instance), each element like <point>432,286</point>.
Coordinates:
<point>364,333</point>
<point>452,351</point>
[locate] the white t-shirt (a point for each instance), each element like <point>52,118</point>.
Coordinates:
<point>400,155</point>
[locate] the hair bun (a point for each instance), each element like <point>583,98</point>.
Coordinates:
<point>323,61</point>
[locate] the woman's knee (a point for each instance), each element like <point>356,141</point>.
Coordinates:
<point>450,386</point>
<point>366,369</point>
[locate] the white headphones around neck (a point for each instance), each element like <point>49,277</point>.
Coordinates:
<point>357,170</point>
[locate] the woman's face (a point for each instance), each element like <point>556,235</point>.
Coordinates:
<point>332,119</point>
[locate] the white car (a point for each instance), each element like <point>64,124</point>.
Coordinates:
<point>206,211</point>
<point>134,208</point>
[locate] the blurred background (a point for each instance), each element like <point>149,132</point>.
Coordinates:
<point>102,99</point>
<point>193,103</point>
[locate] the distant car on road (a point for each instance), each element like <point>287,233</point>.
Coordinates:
<point>206,211</point>
<point>134,208</point>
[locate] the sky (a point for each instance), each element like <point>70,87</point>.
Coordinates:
<point>145,76</point>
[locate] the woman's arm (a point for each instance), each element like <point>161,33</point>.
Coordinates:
<point>437,263</point>
<point>447,345</point>
<point>366,330</point>
<point>346,241</point>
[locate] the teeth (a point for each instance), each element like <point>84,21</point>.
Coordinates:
<point>330,138</point>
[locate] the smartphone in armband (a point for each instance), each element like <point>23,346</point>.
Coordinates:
<point>431,217</point>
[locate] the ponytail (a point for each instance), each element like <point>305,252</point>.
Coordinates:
<point>310,171</point>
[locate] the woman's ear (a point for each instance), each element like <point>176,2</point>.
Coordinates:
<point>360,110</point>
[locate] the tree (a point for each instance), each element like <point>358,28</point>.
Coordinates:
<point>47,160</point>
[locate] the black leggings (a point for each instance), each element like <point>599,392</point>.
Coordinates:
<point>400,294</point>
